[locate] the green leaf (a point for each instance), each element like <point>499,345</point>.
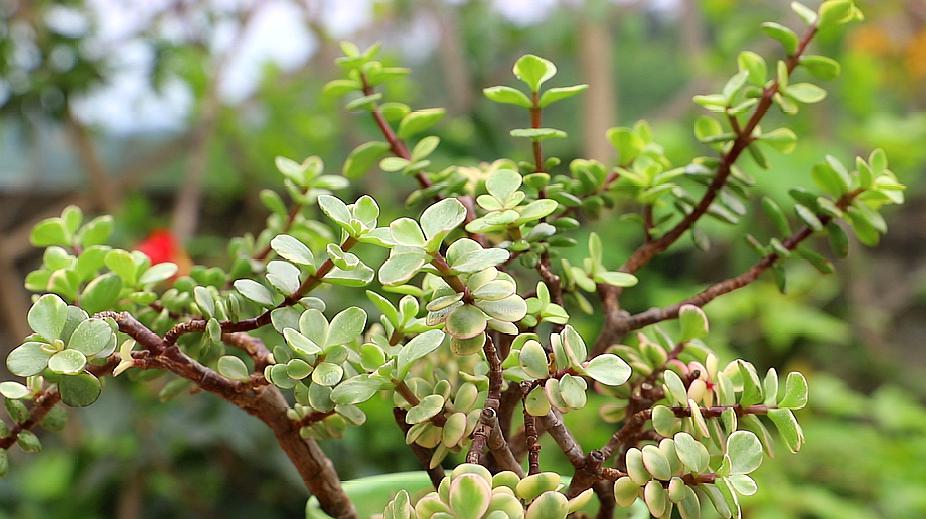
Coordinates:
<point>609,369</point>
<point>234,368</point>
<point>401,266</point>
<point>745,452</point>
<point>821,67</point>
<point>533,71</point>
<point>158,273</point>
<point>656,463</point>
<point>28,442</point>
<point>626,491</point>
<point>795,394</point>
<point>327,374</point>
<point>28,359</point>
<point>97,231</point>
<point>550,505</point>
<point>510,309</point>
<point>617,279</point>
<point>406,231</point>
<point>254,291</point>
<point>91,337</point>
<point>537,403</point>
<point>805,93</point>
<point>292,249</point>
<point>391,164</point>
<point>204,301</point>
<point>783,35</point>
<point>428,408</point>
<point>808,217</point>
<point>627,143</point>
<point>533,359</point>
<point>363,158</point>
<point>754,66</point>
<point>707,128</point>
<point>664,421</point>
<point>335,209</point>
<point>676,389</point>
<point>807,14</point>
<point>788,428</point>
<point>355,390</point>
<point>834,12</point>
<point>479,260</point>
<point>465,322</point>
<point>79,390</point>
<point>539,134</point>
<point>50,231</point>
<point>692,453</point>
<point>782,139</point>
<point>655,497</point>
<point>123,264</point>
<point>366,103</point>
<point>693,323</point>
<point>300,342</point>
<point>554,95</point>
<point>469,496</point>
<point>67,362</point>
<point>346,326</point>
<point>839,241</point>
<point>441,218</point>
<point>502,183</point>
<point>425,147</point>
<point>507,95</point>
<point>774,212</point>
<point>283,276</point>
<point>13,390</point>
<point>418,121</point>
<point>48,316</point>
<point>417,348</point>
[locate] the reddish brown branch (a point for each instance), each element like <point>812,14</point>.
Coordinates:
<point>743,139</point>
<point>246,325</point>
<point>490,408</point>
<point>254,347</point>
<point>436,474</point>
<point>44,403</point>
<point>655,315</point>
<point>265,402</point>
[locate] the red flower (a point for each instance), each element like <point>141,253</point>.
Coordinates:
<point>160,246</point>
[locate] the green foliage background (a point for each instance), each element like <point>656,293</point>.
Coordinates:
<point>858,334</point>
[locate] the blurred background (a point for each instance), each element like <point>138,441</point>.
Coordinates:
<point>116,104</point>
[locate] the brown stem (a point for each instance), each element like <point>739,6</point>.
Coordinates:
<point>245,325</point>
<point>564,439</point>
<point>645,252</point>
<point>532,444</point>
<point>655,315</point>
<point>287,225</point>
<point>396,145</point>
<point>440,263</point>
<point>423,454</point>
<point>536,121</point>
<point>500,450</point>
<point>44,403</point>
<point>265,402</point>
<point>254,347</point>
<point>490,408</point>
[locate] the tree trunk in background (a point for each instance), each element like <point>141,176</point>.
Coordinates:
<point>189,196</point>
<point>100,183</point>
<point>13,300</point>
<point>599,103</point>
<point>453,59</point>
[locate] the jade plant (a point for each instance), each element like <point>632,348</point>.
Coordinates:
<point>465,328</point>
